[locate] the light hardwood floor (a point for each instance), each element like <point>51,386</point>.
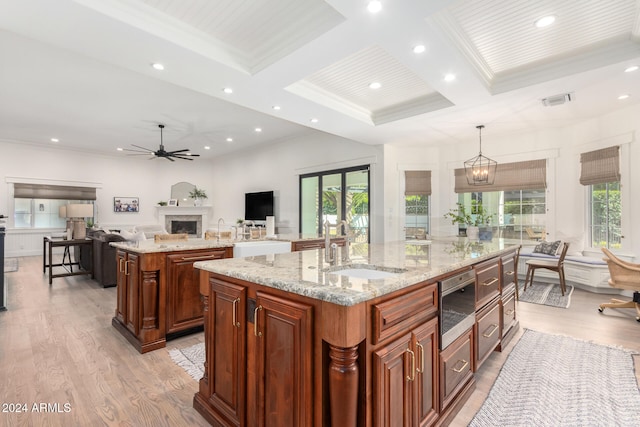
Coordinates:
<point>57,346</point>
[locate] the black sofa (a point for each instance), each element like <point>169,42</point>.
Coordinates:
<point>103,259</point>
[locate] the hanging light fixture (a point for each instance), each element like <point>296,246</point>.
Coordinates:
<point>480,170</point>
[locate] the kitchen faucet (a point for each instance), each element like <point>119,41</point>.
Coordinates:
<point>220,219</point>
<point>329,249</point>
<point>345,254</point>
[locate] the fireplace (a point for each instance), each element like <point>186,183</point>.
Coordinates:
<point>189,227</point>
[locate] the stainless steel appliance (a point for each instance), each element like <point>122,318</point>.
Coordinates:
<point>457,306</point>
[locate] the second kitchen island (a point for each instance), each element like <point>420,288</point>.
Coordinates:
<point>292,339</point>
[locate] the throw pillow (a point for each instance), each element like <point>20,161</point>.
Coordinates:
<point>547,248</point>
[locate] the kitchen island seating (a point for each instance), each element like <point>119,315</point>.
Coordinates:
<point>556,265</point>
<point>624,275</point>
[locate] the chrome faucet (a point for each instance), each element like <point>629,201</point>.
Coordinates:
<point>220,219</point>
<point>330,249</point>
<point>327,242</point>
<point>345,253</point>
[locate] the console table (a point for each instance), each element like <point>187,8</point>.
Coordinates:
<point>47,261</point>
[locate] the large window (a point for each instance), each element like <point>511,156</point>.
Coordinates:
<point>417,191</point>
<point>335,196</point>
<point>605,215</point>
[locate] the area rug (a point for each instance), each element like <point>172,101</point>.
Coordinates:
<point>10,265</point>
<point>191,359</point>
<point>553,380</point>
<point>545,294</point>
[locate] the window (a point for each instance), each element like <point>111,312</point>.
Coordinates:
<point>605,215</point>
<point>417,191</point>
<point>333,196</point>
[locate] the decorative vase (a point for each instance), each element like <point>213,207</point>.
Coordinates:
<point>485,234</point>
<point>197,202</point>
<point>473,232</point>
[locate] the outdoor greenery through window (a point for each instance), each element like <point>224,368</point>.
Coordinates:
<point>515,214</point>
<point>605,215</point>
<point>416,220</point>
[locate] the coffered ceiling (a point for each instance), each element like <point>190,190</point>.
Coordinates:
<point>80,70</point>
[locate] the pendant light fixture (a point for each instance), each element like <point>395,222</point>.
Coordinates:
<point>480,170</point>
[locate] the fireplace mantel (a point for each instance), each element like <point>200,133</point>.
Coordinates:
<point>176,211</point>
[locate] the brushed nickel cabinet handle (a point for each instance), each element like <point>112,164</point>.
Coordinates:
<point>421,348</point>
<point>464,365</point>
<point>234,320</point>
<point>490,282</point>
<point>412,377</point>
<point>196,258</point>
<point>255,321</point>
<point>488,335</point>
<point>509,273</point>
<point>509,312</point>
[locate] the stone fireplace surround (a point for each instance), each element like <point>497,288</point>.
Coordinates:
<point>200,214</point>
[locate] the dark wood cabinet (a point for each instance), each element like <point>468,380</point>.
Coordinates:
<point>456,368</point>
<point>487,331</point>
<point>487,281</point>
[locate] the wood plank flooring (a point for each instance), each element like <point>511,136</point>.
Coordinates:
<point>57,347</point>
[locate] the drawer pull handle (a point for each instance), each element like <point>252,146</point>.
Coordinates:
<point>490,282</point>
<point>255,321</point>
<point>412,377</point>
<point>120,262</point>
<point>234,320</point>
<point>421,348</point>
<point>126,268</point>
<point>461,368</point>
<point>509,312</point>
<point>488,335</point>
<point>509,273</point>
<point>195,258</point>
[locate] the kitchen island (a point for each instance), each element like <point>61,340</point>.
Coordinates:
<point>294,339</point>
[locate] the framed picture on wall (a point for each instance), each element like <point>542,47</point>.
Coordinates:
<point>126,204</point>
<point>173,202</point>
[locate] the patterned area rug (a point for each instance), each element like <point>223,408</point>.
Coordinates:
<point>10,265</point>
<point>553,380</point>
<point>191,359</point>
<point>545,294</point>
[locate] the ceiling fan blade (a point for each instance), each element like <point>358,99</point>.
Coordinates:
<point>137,151</point>
<point>178,151</point>
<point>142,148</point>
<point>183,158</point>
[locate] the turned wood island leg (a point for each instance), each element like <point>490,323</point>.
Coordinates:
<point>149,300</point>
<point>343,385</point>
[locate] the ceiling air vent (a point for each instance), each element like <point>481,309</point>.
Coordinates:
<point>551,101</point>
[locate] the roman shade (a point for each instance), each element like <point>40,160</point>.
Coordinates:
<point>526,175</point>
<point>600,166</point>
<point>61,192</point>
<point>417,183</point>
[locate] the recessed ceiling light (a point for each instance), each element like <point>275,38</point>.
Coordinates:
<point>375,85</point>
<point>206,147</point>
<point>258,130</point>
<point>314,120</point>
<point>276,107</point>
<point>158,66</point>
<point>227,90</point>
<point>419,48</point>
<point>449,77</point>
<point>624,96</point>
<point>631,69</point>
<point>374,6</point>
<point>229,139</point>
<point>545,21</point>
<point>119,149</point>
<point>55,140</point>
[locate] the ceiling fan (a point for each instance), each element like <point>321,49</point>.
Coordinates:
<point>183,154</point>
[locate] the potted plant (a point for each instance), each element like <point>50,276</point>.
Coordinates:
<point>470,222</point>
<point>198,194</point>
<point>162,203</point>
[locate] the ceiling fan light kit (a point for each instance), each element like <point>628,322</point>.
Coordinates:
<point>183,154</point>
<point>480,170</point>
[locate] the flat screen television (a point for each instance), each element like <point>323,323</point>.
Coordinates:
<point>258,206</point>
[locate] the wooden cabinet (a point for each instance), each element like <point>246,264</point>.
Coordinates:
<point>127,299</point>
<point>487,331</point>
<point>456,368</point>
<point>184,307</point>
<point>508,307</point>
<point>509,322</point>
<point>405,387</point>
<point>487,281</point>
<point>303,245</point>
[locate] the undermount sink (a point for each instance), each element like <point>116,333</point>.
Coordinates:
<point>365,273</point>
<point>260,247</point>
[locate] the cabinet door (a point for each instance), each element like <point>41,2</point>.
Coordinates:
<point>393,379</point>
<point>455,368</point>
<point>487,332</point>
<point>226,353</point>
<point>121,290</point>
<point>133,318</point>
<point>425,386</point>
<point>487,282</point>
<point>184,306</point>
<point>284,360</point>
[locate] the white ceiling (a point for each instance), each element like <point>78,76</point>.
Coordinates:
<point>81,70</point>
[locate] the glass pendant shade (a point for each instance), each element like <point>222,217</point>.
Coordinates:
<point>480,170</point>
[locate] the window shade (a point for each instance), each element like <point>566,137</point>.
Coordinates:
<point>509,176</point>
<point>41,191</point>
<point>417,183</point>
<point>600,166</point>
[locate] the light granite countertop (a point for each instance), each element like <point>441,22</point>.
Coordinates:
<point>306,272</point>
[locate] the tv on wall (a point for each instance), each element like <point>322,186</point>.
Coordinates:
<point>258,206</point>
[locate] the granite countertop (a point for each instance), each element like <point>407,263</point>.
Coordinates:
<point>306,272</point>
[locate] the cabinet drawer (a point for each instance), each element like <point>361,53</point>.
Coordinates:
<point>487,332</point>
<point>508,312</point>
<point>507,263</point>
<point>487,281</point>
<point>400,313</point>
<point>455,368</point>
